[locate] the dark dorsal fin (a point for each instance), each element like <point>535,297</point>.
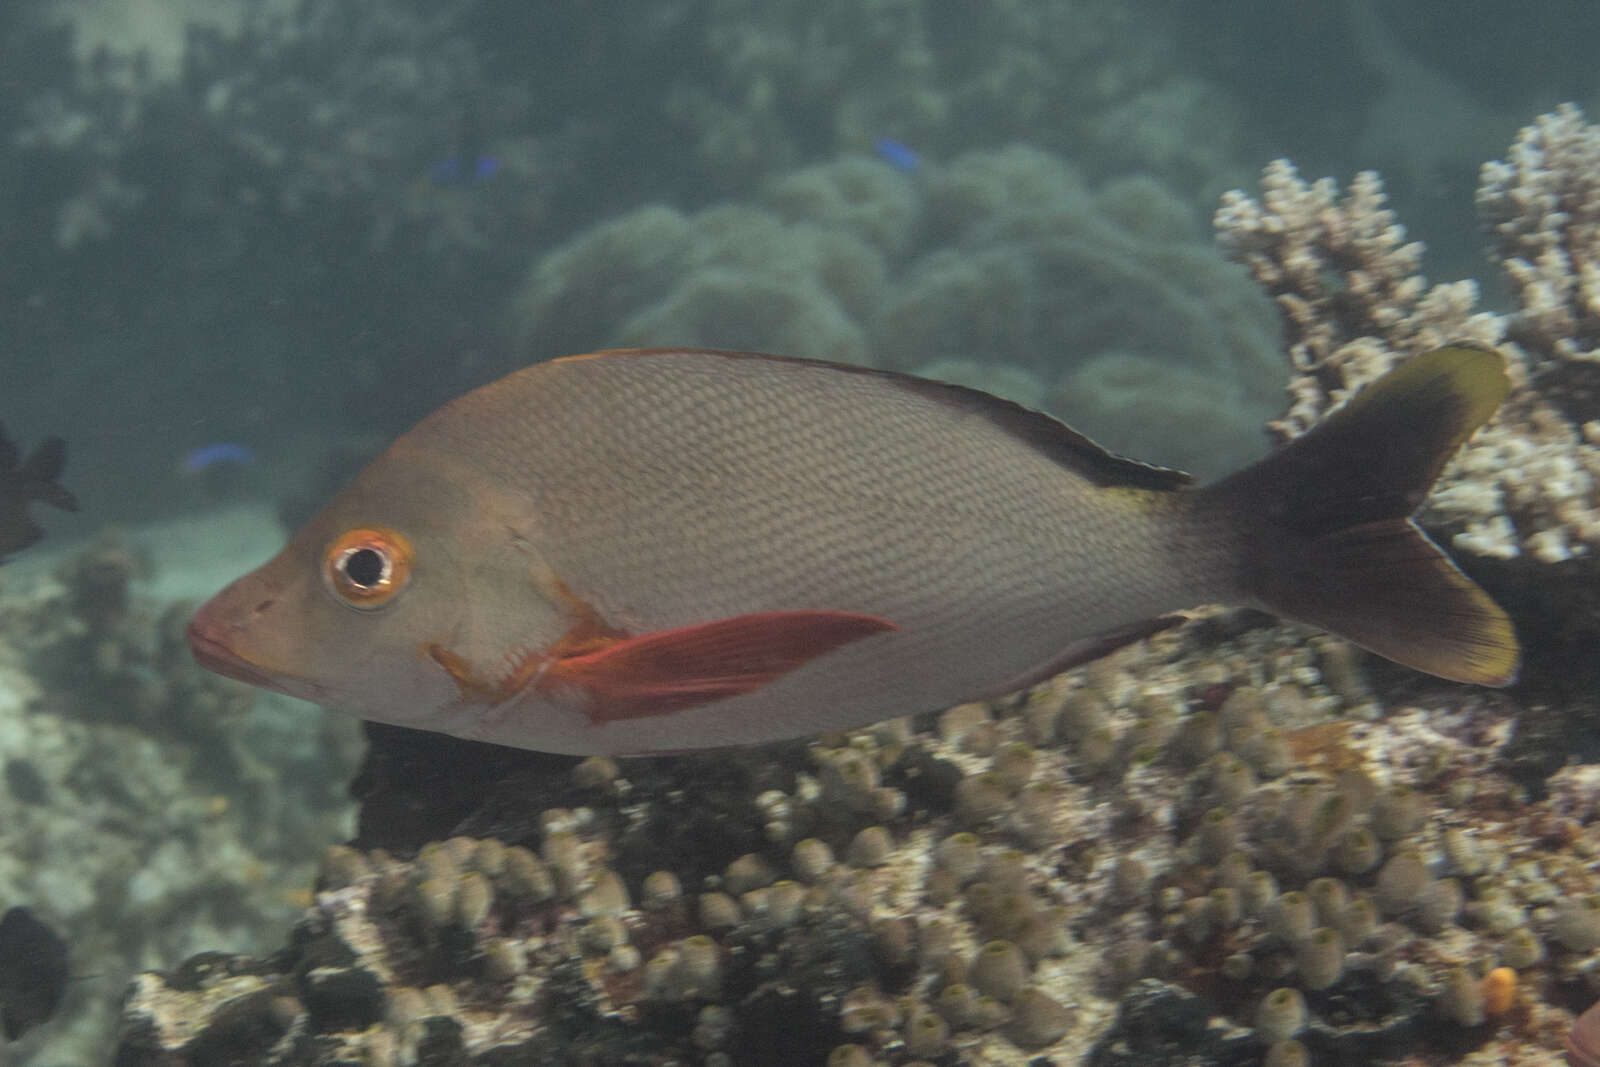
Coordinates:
<point>1050,436</point>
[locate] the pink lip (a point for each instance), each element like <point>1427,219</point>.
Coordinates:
<point>213,653</point>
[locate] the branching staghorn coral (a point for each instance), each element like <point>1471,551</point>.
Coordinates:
<point>1346,283</point>
<point>1542,203</point>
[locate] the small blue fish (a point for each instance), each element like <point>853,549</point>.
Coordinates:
<point>901,157</point>
<point>223,452</point>
<point>463,170</point>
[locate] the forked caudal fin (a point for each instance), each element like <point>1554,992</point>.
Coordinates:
<point>1340,551</point>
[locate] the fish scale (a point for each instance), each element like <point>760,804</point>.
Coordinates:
<point>860,527</point>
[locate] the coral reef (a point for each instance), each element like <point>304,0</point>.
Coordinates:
<point>289,163</point>
<point>1421,100</point>
<point>1230,817</point>
<point>1346,284</point>
<point>784,83</point>
<point>386,167</point>
<point>1521,504</point>
<point>1542,205</point>
<point>729,277</point>
<point>1233,821</point>
<point>151,812</point>
<point>1023,262</point>
<point>1352,302</point>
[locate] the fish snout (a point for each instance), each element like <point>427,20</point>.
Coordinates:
<point>216,631</point>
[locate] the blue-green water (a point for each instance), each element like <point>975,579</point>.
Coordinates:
<point>294,228</point>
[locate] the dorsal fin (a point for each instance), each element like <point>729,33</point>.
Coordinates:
<point>1050,436</point>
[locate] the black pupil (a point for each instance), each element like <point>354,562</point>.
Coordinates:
<point>364,567</point>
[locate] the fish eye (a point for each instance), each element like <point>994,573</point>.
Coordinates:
<point>367,566</point>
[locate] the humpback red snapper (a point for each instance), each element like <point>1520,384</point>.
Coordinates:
<point>670,549</point>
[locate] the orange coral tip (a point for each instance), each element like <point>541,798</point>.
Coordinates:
<point>1499,990</point>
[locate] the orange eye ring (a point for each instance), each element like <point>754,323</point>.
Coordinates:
<point>366,567</point>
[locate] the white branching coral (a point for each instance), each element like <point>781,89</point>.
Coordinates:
<point>1352,301</point>
<point>1542,202</point>
<point>1346,282</point>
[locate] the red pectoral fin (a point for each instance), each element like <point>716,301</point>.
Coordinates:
<point>670,670</point>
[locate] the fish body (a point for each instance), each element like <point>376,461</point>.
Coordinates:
<point>28,481</point>
<point>661,550</point>
<point>1583,1040</point>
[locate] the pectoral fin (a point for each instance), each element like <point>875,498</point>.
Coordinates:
<point>670,670</point>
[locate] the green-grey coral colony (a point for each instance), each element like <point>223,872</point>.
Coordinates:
<point>1236,843</point>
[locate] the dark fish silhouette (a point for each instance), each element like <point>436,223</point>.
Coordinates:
<point>24,481</point>
<point>33,972</point>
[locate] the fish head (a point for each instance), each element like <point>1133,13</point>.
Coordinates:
<point>401,602</point>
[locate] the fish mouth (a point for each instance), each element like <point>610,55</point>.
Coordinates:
<point>216,655</point>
